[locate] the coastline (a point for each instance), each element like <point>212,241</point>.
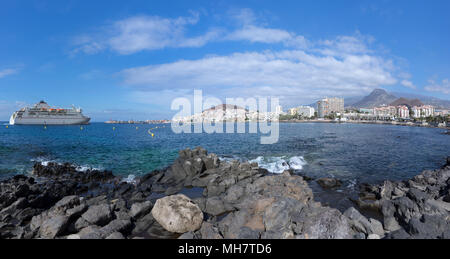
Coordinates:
<point>366,122</point>
<point>223,199</point>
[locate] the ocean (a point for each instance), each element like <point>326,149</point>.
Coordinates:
<point>354,153</point>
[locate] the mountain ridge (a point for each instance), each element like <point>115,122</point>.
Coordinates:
<point>408,102</point>
<point>376,98</point>
<point>379,97</point>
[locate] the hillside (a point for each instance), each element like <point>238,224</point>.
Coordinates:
<point>376,98</point>
<point>407,102</point>
<point>379,97</point>
<point>428,100</point>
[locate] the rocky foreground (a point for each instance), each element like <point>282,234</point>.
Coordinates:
<point>235,200</point>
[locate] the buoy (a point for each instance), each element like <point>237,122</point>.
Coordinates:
<point>6,126</point>
<point>81,128</point>
<point>153,135</point>
<point>114,128</point>
<point>45,127</point>
<point>137,128</point>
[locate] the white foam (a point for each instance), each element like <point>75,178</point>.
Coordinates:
<point>351,184</point>
<point>278,165</point>
<point>130,179</point>
<point>44,161</point>
<point>84,168</point>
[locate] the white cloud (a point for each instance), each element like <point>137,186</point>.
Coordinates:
<point>8,71</point>
<point>289,74</point>
<point>345,45</point>
<point>302,71</point>
<point>254,34</point>
<point>433,86</point>
<point>140,33</point>
<point>408,84</point>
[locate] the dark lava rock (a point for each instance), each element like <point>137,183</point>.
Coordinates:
<point>239,200</point>
<point>328,183</point>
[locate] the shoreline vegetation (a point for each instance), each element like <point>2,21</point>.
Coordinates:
<point>201,197</point>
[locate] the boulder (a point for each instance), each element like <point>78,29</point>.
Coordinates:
<point>54,226</point>
<point>140,209</point>
<point>66,203</point>
<point>115,235</point>
<point>208,231</point>
<point>324,223</point>
<point>117,225</point>
<point>90,232</point>
<point>386,190</point>
<point>98,214</point>
<point>143,224</point>
<point>391,224</point>
<point>177,213</point>
<point>214,206</point>
<point>358,222</point>
<point>328,183</point>
<point>187,235</point>
<point>373,236</point>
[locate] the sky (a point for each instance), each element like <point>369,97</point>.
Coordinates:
<point>131,59</point>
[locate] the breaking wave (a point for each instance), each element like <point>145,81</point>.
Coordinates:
<point>130,179</point>
<point>80,168</point>
<point>278,165</point>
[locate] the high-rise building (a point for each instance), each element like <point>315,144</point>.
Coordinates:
<point>328,106</point>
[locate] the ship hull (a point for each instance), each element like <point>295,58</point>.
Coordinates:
<point>49,121</point>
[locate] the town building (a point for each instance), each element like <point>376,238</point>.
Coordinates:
<point>328,106</point>
<point>385,111</point>
<point>423,111</point>
<point>305,111</point>
<point>366,110</point>
<point>402,112</point>
<point>293,111</point>
<point>279,109</point>
<point>441,112</point>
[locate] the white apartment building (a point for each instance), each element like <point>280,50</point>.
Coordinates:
<point>305,111</point>
<point>423,111</point>
<point>402,112</point>
<point>385,111</point>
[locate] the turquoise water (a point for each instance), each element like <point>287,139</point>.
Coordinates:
<point>352,152</point>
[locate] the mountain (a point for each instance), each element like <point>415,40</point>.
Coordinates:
<point>376,98</point>
<point>428,100</point>
<point>350,101</point>
<point>408,102</point>
<point>380,96</point>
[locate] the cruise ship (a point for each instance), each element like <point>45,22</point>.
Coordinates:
<point>42,114</point>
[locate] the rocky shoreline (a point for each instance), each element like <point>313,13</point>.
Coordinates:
<point>227,199</point>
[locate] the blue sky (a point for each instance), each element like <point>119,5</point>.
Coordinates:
<point>130,59</point>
